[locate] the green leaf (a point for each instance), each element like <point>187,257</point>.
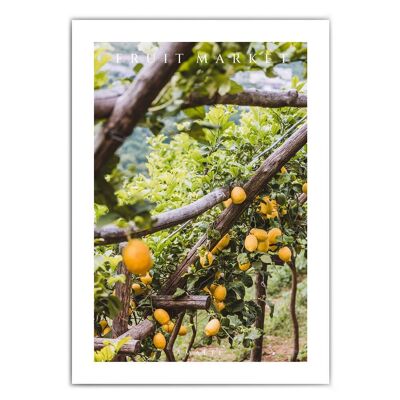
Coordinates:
<point>114,305</point>
<point>178,293</point>
<point>266,259</point>
<point>247,280</point>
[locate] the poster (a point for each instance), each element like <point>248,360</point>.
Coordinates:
<point>200,201</point>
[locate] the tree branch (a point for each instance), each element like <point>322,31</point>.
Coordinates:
<point>230,215</point>
<point>105,99</point>
<point>113,234</point>
<point>133,104</point>
<point>169,350</point>
<point>192,339</point>
<point>254,98</point>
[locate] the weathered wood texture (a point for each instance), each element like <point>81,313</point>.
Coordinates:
<point>182,303</point>
<point>123,292</point>
<point>133,104</point>
<point>128,349</point>
<point>229,216</point>
<point>261,293</point>
<point>140,331</point>
<point>105,99</point>
<point>113,234</point>
<point>251,98</point>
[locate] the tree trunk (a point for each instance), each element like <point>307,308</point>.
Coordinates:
<point>293,313</point>
<point>261,293</point>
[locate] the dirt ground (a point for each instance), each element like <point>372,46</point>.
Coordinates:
<point>275,349</point>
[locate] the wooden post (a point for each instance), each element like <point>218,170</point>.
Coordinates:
<point>261,293</point>
<point>123,292</point>
<point>181,303</point>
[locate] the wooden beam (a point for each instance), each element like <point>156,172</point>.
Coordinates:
<point>230,215</point>
<point>113,234</point>
<point>139,331</point>
<point>181,303</point>
<point>133,104</point>
<point>255,98</point>
<point>105,99</point>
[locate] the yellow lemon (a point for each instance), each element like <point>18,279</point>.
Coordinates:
<point>103,323</point>
<point>182,330</point>
<point>137,289</point>
<point>106,331</point>
<point>206,260</point>
<point>227,203</point>
<point>238,195</point>
<point>218,275</point>
<point>263,246</point>
<point>206,289</point>
<point>220,293</point>
<point>273,234</point>
<point>212,328</point>
<point>283,170</point>
<point>213,286</point>
<point>161,316</point>
<point>219,305</point>
<point>304,188</point>
<point>285,254</point>
<point>137,257</point>
<point>260,234</point>
<point>250,243</point>
<point>146,279</point>
<point>159,341</point>
<point>245,266</point>
<point>168,327</point>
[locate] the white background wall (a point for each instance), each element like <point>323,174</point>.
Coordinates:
<point>34,171</point>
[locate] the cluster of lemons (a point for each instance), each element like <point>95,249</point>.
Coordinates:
<point>163,318</point>
<point>263,241</point>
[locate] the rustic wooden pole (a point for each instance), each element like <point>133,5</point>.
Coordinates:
<point>133,104</point>
<point>261,293</point>
<point>113,234</point>
<point>181,303</point>
<point>230,215</point>
<point>140,331</point>
<point>128,349</point>
<point>123,292</point>
<point>105,99</point>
